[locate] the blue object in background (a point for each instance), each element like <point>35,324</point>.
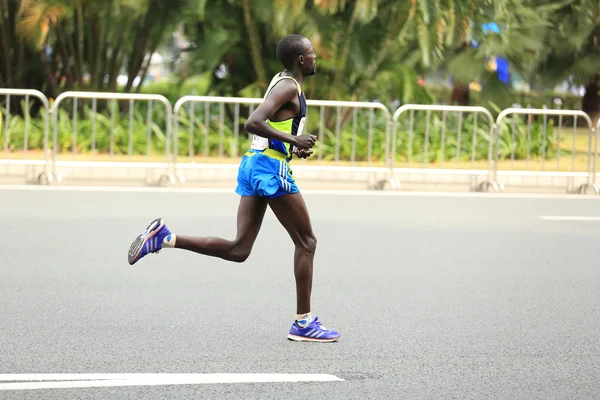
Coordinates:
<point>503,69</point>
<point>502,64</point>
<point>491,27</point>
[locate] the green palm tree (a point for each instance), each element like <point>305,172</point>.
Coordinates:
<point>573,51</point>
<point>24,28</point>
<point>447,30</point>
<point>39,17</point>
<point>94,38</point>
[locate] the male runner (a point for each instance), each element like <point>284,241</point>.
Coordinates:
<point>265,178</point>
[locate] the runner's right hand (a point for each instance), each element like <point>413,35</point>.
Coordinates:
<point>305,141</point>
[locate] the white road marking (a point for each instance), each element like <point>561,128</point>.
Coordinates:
<point>66,381</point>
<point>569,218</point>
<point>146,189</point>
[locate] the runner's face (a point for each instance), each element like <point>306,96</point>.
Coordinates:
<point>309,66</point>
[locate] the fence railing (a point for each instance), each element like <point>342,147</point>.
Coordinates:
<point>536,147</point>
<point>595,171</point>
<point>205,145</point>
<point>349,134</point>
<point>116,129</point>
<point>34,135</point>
<point>366,137</point>
<point>457,140</point>
<point>342,125</point>
<point>137,139</point>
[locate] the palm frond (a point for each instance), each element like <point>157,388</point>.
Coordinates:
<point>366,10</point>
<point>423,38</point>
<point>424,8</point>
<point>38,16</point>
<point>329,7</point>
<point>451,24</point>
<point>467,66</point>
<point>585,69</point>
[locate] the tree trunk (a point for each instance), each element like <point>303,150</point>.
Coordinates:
<point>373,68</point>
<point>20,64</point>
<point>71,46</point>
<point>460,94</point>
<point>52,83</point>
<point>93,38</point>
<point>460,90</point>
<point>114,71</point>
<point>154,43</point>
<point>6,43</point>
<point>591,101</point>
<point>65,56</point>
<point>146,68</point>
<point>255,47</point>
<point>138,57</point>
<point>100,35</point>
<point>142,36</point>
<point>340,72</point>
<point>79,32</point>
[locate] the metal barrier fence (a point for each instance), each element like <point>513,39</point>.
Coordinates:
<point>203,145</point>
<point>350,135</point>
<point>442,143</point>
<point>595,169</point>
<point>536,148</point>
<point>103,139</point>
<point>459,138</point>
<point>34,136</point>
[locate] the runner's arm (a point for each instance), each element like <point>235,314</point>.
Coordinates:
<point>256,123</point>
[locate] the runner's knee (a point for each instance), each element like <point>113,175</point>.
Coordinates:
<point>240,252</point>
<point>307,243</point>
<point>239,256</point>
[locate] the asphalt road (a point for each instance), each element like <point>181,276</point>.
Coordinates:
<point>436,297</point>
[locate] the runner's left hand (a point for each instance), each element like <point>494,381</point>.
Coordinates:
<point>303,153</point>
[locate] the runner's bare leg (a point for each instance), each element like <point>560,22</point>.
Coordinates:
<point>291,211</point>
<point>251,212</point>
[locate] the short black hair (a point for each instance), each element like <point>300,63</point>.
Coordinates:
<point>289,48</point>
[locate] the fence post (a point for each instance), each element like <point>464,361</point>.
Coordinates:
<point>46,176</point>
<point>595,170</point>
<point>483,186</point>
<point>164,179</point>
<point>320,104</point>
<point>546,112</point>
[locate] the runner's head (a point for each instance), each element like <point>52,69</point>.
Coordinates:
<point>296,52</point>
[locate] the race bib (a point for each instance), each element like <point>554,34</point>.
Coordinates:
<point>259,143</point>
<point>301,126</point>
<point>299,131</point>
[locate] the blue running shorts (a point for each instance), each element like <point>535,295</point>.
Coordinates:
<point>264,176</point>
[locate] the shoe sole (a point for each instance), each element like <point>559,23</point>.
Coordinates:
<point>139,242</point>
<point>305,339</point>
